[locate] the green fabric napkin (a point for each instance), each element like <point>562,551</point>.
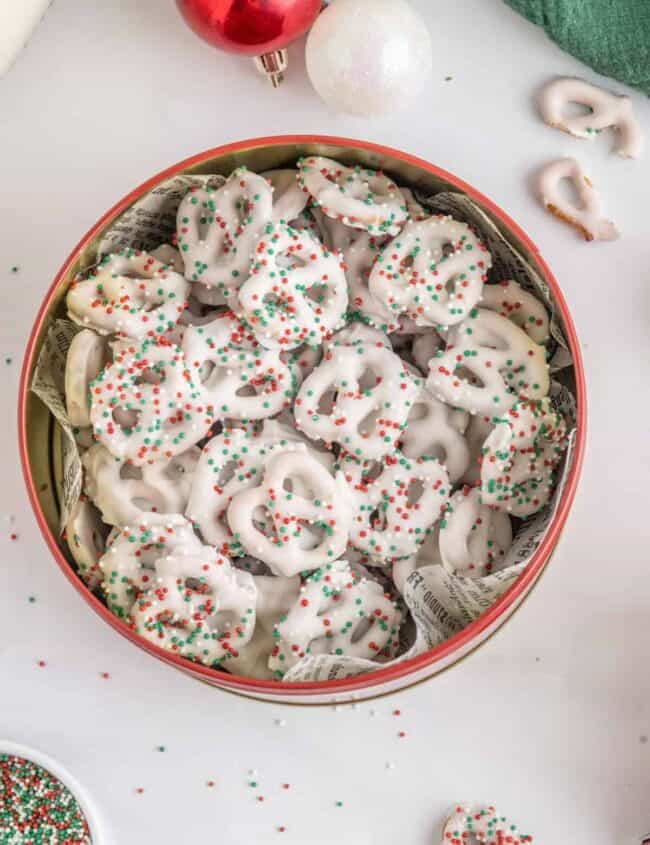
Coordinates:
<point>613,36</point>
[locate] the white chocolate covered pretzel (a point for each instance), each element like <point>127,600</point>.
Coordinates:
<point>146,406</point>
<point>125,493</point>
<point>434,430</point>
<point>474,537</point>
<point>289,199</point>
<point>275,597</point>
<point>433,271</point>
<point>509,299</point>
<point>520,457</point>
<point>606,110</point>
<point>340,613</point>
<point>359,396</point>
<point>231,463</point>
<point>129,561</point>
<point>489,362</point>
<point>359,258</point>
<point>299,517</point>
<point>218,229</point>
<point>296,292</point>
<point>199,606</point>
<point>87,355</point>
<point>476,434</point>
<point>239,377</point>
<point>357,196</point>
<point>169,256</point>
<point>482,825</point>
<point>396,507</point>
<point>129,293</point>
<point>587,216</point>
<point>86,535</point>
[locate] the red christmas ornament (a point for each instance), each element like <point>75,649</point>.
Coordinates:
<point>260,28</point>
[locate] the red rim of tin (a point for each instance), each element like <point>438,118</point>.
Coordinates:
<point>379,677</point>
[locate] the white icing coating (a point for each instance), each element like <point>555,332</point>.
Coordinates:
<point>129,561</point>
<point>434,430</point>
<point>359,396</point>
<point>275,596</point>
<point>239,377</point>
<point>510,300</point>
<point>359,258</point>
<point>607,110</point>
<point>296,292</point>
<point>289,199</point>
<point>428,554</point>
<point>424,348</point>
<point>170,257</point>
<point>520,457</point>
<point>433,272</point>
<point>357,196</point>
<point>129,292</point>
<point>298,518</point>
<point>219,227</point>
<point>482,825</point>
<point>86,536</point>
<point>124,493</point>
<point>146,405</point>
<point>87,355</point>
<point>489,362</point>
<point>337,612</point>
<point>199,606</point>
<point>587,217</point>
<point>474,537</point>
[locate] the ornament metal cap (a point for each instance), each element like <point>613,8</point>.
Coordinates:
<point>273,65</point>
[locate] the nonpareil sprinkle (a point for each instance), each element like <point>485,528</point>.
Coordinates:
<point>35,807</point>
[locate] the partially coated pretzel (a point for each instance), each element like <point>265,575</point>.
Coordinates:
<point>510,300</point>
<point>338,612</point>
<point>219,227</point>
<point>129,293</point>
<point>587,217</point>
<point>606,110</point>
<point>239,377</point>
<point>433,271</point>
<point>146,406</point>
<point>520,457</point>
<point>357,196</point>
<point>474,537</point>
<point>396,504</point>
<point>199,606</point>
<point>359,396</point>
<point>125,493</point>
<point>296,292</point>
<point>289,199</point>
<point>298,518</point>
<point>489,362</point>
<point>87,355</point>
<point>128,565</point>
<point>434,430</point>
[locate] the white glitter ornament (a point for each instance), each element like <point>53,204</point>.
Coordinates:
<point>368,57</point>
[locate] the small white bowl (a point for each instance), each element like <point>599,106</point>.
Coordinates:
<point>50,765</point>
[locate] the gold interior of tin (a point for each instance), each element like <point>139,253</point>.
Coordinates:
<point>43,438</point>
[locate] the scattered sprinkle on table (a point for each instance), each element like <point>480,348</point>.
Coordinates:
<point>339,803</point>
<point>161,748</point>
<point>32,599</point>
<point>139,790</point>
<point>397,712</point>
<point>281,829</point>
<point>13,536</point>
<point>41,663</point>
<point>104,675</point>
<point>210,783</point>
<point>36,807</point>
<point>8,361</point>
<point>260,798</point>
<point>286,786</point>
<point>15,268</point>
<point>401,734</point>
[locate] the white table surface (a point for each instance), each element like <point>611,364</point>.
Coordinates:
<point>550,719</point>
